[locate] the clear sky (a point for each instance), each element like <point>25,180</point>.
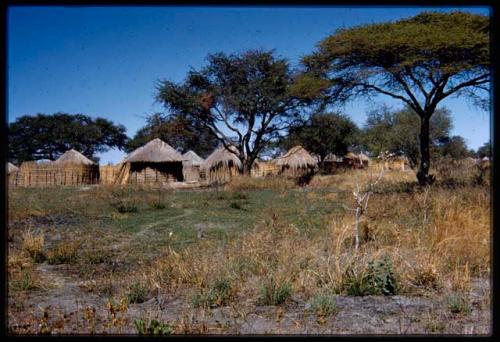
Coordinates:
<point>104,61</point>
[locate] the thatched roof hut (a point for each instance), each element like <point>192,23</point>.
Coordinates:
<point>296,162</point>
<point>71,168</point>
<point>222,164</point>
<point>11,168</point>
<point>155,162</point>
<point>191,158</point>
<point>73,157</point>
<point>191,166</point>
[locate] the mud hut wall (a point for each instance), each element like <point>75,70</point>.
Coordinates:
<point>33,174</point>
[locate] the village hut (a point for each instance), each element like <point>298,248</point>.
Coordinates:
<point>155,162</point>
<point>331,163</point>
<point>296,162</point>
<point>364,159</point>
<point>12,174</point>
<point>222,165</point>
<point>191,166</point>
<point>263,168</point>
<point>352,160</point>
<point>71,168</point>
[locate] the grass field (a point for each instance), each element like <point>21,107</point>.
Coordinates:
<point>255,256</point>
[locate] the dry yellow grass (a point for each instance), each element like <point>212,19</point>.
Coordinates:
<point>434,237</point>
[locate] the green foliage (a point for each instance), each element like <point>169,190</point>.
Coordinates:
<point>323,305</point>
<point>273,293</point>
<point>485,150</point>
<point>48,136</point>
<point>377,280</point>
<point>397,131</point>
<point>419,61</point>
<point>219,294</point>
<point>458,304</point>
<point>247,94</point>
<point>322,134</point>
<point>153,328</point>
<point>137,293</point>
<point>235,205</point>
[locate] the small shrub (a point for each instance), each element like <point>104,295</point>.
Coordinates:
<point>153,328</point>
<point>124,205</point>
<point>33,246</point>
<point>272,293</point>
<point>323,305</point>
<point>235,205</point>
<point>95,257</point>
<point>137,293</point>
<point>377,280</point>
<point>64,253</point>
<point>219,294</point>
<point>240,196</point>
<point>158,206</point>
<point>24,281</point>
<point>458,304</point>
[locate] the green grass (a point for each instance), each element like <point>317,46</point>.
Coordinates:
<point>145,229</point>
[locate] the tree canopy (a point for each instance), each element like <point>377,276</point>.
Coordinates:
<point>47,136</point>
<point>243,99</point>
<point>322,134</point>
<point>179,132</point>
<point>396,131</point>
<point>419,61</point>
<point>485,150</point>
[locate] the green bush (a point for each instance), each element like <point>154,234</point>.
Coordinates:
<point>235,205</point>
<point>153,328</point>
<point>219,294</point>
<point>323,305</point>
<point>379,279</point>
<point>458,304</point>
<point>272,293</point>
<point>137,293</point>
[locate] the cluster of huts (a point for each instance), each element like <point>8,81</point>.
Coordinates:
<point>157,162</point>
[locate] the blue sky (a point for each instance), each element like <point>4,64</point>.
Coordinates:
<point>104,61</point>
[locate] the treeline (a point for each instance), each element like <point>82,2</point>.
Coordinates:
<point>256,102</point>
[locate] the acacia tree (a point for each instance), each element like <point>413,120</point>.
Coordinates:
<point>243,99</point>
<point>419,61</point>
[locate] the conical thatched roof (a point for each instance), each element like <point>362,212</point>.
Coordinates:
<point>156,151</point>
<point>74,157</point>
<point>191,158</point>
<point>297,157</point>
<point>11,168</point>
<point>222,157</point>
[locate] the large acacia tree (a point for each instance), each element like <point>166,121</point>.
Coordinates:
<point>243,99</point>
<point>419,61</point>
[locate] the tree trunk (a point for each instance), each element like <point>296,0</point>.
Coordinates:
<point>246,167</point>
<point>423,176</point>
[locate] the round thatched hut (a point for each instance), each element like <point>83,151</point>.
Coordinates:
<point>71,168</point>
<point>222,165</point>
<point>155,162</point>
<point>191,166</point>
<point>12,174</point>
<point>296,162</point>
